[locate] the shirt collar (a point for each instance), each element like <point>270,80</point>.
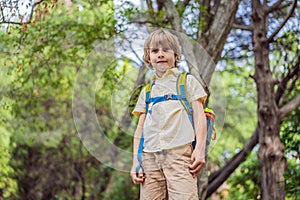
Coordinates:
<point>173,71</point>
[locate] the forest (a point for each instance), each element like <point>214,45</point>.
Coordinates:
<point>71,72</point>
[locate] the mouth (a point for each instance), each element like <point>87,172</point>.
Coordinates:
<point>161,62</point>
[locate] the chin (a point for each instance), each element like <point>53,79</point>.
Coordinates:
<point>166,67</point>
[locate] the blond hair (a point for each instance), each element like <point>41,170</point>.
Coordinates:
<point>164,38</point>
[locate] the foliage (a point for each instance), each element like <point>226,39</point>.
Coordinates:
<point>290,136</point>
<point>42,85</point>
<point>245,184</point>
<point>292,176</point>
<point>240,115</point>
<point>65,171</point>
<point>8,185</point>
<point>121,188</point>
<point>7,181</point>
<point>290,130</point>
<point>41,63</point>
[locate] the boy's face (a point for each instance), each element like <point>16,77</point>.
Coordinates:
<point>162,58</point>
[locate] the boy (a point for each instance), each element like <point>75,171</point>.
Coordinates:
<point>169,162</point>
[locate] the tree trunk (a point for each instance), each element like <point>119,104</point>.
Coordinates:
<point>271,152</point>
<point>214,37</point>
<point>203,54</point>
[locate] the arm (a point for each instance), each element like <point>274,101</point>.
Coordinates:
<point>136,141</point>
<point>198,155</point>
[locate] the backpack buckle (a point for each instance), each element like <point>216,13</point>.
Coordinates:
<point>168,97</point>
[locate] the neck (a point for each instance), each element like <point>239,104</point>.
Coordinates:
<point>160,74</point>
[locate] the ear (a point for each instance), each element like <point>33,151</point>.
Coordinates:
<point>148,56</point>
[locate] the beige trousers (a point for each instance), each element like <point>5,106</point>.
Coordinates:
<point>167,175</point>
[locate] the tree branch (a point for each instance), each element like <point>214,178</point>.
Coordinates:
<point>150,7</point>
<point>204,18</point>
<point>2,15</point>
<point>284,22</point>
<point>214,9</point>
<point>4,21</point>
<point>181,6</point>
<point>214,38</point>
<point>280,5</point>
<point>289,107</point>
<point>274,6</point>
<point>173,15</point>
<point>283,84</point>
<point>184,3</point>
<point>216,179</point>
<point>283,6</point>
<point>143,22</point>
<point>242,27</point>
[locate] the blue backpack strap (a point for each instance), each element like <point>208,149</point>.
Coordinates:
<point>139,154</point>
<point>141,144</point>
<point>158,99</point>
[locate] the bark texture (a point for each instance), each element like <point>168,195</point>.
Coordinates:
<point>271,151</point>
<point>270,112</point>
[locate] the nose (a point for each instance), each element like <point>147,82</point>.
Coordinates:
<point>160,53</point>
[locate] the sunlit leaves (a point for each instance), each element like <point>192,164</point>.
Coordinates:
<point>246,181</point>
<point>40,62</point>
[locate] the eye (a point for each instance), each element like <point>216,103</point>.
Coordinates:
<point>154,50</point>
<point>166,49</point>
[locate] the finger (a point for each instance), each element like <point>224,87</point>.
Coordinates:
<point>197,169</point>
<point>137,174</point>
<point>137,177</point>
<point>194,164</point>
<point>138,180</point>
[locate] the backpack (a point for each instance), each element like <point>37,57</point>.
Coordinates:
<point>183,98</point>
